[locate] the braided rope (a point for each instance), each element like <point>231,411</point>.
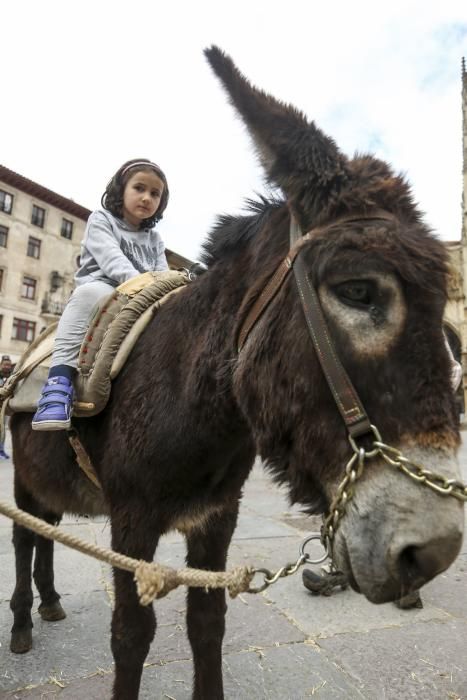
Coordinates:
<point>152,580</point>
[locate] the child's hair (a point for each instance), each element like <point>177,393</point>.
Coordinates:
<point>112,199</point>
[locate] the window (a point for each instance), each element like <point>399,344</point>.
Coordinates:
<point>23,330</point>
<point>28,288</point>
<point>1,279</point>
<point>67,229</point>
<point>3,236</point>
<point>34,247</point>
<point>38,216</point>
<point>6,202</point>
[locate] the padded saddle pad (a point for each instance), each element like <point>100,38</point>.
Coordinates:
<point>117,322</point>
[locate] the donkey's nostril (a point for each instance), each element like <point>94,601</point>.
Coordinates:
<point>418,564</point>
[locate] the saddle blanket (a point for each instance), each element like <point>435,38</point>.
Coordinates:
<point>116,324</point>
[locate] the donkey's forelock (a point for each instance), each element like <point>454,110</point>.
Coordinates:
<point>373,183</point>
<point>413,254</point>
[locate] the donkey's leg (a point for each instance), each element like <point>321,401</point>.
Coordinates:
<point>207,549</point>
<point>49,608</point>
<point>22,598</point>
<point>133,625</point>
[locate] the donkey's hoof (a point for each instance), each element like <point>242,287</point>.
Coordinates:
<point>21,641</point>
<point>52,613</point>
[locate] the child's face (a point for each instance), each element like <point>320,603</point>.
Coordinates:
<point>142,196</point>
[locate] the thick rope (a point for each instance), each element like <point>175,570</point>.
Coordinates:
<point>152,580</point>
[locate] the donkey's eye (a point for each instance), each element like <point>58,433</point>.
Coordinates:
<point>356,292</point>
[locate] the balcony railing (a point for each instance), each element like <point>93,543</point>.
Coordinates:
<point>52,307</point>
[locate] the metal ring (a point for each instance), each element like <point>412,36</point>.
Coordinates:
<point>371,453</point>
<point>266,583</point>
<point>306,556</point>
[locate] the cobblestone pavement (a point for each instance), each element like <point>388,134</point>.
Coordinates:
<point>281,644</point>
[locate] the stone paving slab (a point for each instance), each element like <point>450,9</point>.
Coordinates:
<point>253,675</point>
<point>68,649</point>
<point>449,590</point>
<point>344,611</point>
<point>284,643</point>
<point>422,660</point>
<point>80,644</point>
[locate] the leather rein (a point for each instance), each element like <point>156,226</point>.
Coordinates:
<point>348,402</point>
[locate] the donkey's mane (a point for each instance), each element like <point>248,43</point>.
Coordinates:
<point>230,233</point>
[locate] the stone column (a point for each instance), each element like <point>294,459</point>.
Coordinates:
<point>464,231</point>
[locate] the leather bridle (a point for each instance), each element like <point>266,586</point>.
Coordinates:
<point>348,402</point>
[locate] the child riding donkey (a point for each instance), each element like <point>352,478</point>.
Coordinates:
<point>120,243</point>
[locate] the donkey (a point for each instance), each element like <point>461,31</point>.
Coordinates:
<point>190,410</point>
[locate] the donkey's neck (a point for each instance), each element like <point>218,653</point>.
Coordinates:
<point>191,346</point>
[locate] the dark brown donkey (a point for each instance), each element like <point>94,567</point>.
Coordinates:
<point>189,412</point>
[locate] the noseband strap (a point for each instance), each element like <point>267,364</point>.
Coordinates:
<point>343,391</point>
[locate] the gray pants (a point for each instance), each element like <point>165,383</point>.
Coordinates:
<point>74,322</point>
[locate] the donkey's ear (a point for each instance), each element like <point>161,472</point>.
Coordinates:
<point>295,154</point>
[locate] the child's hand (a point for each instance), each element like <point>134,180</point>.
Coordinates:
<point>136,284</point>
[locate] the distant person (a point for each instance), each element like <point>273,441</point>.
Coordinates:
<point>456,367</point>
<point>120,242</point>
<point>6,368</point>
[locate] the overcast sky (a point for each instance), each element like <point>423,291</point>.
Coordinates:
<point>87,85</point>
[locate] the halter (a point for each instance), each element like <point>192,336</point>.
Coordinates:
<point>347,400</point>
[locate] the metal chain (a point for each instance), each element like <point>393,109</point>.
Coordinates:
<point>343,495</point>
<point>395,458</point>
<point>269,577</point>
<point>345,490</point>
<point>436,482</point>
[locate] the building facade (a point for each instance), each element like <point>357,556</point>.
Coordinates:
<point>40,234</point>
<point>456,311</point>
<point>40,237</point>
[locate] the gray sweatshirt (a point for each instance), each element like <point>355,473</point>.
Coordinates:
<point>114,251</point>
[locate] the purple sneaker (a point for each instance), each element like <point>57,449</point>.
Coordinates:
<point>55,405</point>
